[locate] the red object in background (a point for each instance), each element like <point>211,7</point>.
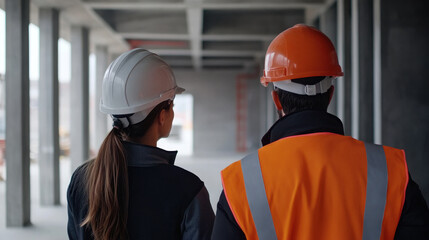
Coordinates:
<point>2,152</point>
<point>241,111</point>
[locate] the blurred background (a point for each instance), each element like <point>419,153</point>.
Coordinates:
<point>53,54</point>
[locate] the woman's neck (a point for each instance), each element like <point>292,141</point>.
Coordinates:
<point>150,138</point>
<point>148,142</point>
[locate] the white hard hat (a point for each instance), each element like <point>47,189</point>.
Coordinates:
<point>134,84</point>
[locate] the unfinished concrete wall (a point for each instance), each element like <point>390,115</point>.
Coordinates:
<point>255,113</point>
<point>404,65</point>
<point>214,117</point>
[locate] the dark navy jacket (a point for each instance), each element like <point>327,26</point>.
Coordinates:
<point>414,222</point>
<point>165,201</point>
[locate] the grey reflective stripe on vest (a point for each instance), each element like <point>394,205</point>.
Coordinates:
<point>257,197</point>
<point>376,191</point>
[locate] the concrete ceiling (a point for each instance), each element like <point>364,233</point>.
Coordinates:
<point>187,33</point>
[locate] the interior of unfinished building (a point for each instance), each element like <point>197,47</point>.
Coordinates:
<point>53,55</point>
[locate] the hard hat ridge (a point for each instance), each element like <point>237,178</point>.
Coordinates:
<point>134,84</point>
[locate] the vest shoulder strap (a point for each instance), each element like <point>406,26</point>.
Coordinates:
<point>257,197</point>
<point>376,191</point>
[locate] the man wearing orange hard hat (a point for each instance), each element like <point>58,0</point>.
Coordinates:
<point>309,181</point>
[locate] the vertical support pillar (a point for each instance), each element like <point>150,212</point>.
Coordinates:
<point>17,114</point>
<point>355,69</point>
<point>404,84</point>
<point>344,58</point>
<point>79,110</point>
<point>101,56</point>
<point>340,52</point>
<point>377,72</point>
<point>365,45</point>
<point>49,148</point>
<point>328,25</point>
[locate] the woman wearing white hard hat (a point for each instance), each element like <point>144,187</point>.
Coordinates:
<point>132,190</point>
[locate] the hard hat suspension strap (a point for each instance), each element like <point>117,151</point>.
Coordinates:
<point>309,90</point>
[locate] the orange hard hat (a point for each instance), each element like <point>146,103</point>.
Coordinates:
<point>299,52</point>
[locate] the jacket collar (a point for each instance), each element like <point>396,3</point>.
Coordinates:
<point>304,122</point>
<point>143,156</point>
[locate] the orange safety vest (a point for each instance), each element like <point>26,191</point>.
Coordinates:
<point>318,186</point>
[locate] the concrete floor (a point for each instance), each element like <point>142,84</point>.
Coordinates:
<point>50,222</point>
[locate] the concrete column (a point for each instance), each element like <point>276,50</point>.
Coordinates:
<point>17,114</point>
<point>102,58</point>
<point>404,83</point>
<point>362,70</point>
<point>328,25</point>
<point>339,85</point>
<point>79,109</point>
<point>355,69</point>
<point>365,45</point>
<point>377,72</point>
<point>253,113</point>
<point>344,56</point>
<point>49,147</point>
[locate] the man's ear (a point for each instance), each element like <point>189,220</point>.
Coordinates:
<point>331,93</point>
<point>276,100</point>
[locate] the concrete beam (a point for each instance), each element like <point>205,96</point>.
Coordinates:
<point>79,109</point>
<point>171,52</point>
<point>49,147</point>
<point>229,53</point>
<point>154,36</point>
<point>17,114</point>
<point>237,37</point>
<point>195,28</point>
<point>201,5</point>
<point>209,53</point>
<point>204,37</point>
<point>226,62</point>
<point>101,55</point>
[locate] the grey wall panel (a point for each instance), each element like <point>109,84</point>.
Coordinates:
<point>329,27</point>
<point>214,116</point>
<point>404,65</point>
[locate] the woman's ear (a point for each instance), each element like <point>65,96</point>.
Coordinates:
<point>162,117</point>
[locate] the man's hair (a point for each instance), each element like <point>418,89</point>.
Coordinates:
<point>292,102</point>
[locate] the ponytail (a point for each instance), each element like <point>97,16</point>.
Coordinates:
<point>107,188</point>
<point>107,180</point>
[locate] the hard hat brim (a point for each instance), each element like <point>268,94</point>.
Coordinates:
<point>179,90</point>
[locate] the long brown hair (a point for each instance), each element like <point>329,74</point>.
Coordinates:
<point>107,180</point>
